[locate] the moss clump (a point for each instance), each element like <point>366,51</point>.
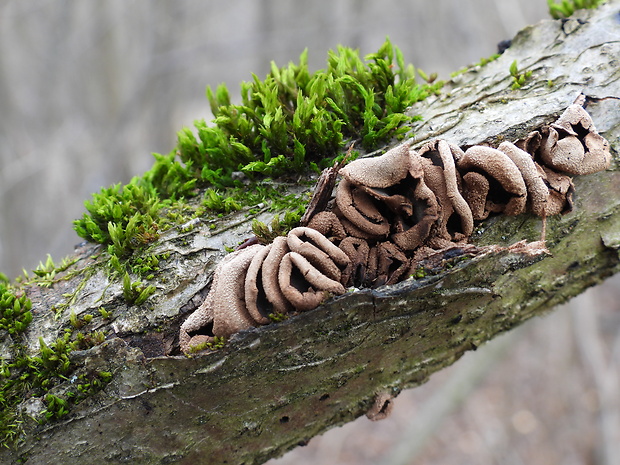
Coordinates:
<point>518,77</point>
<point>124,218</point>
<point>565,8</point>
<point>27,376</point>
<point>136,293</point>
<point>278,227</point>
<point>31,376</point>
<point>15,315</point>
<point>294,118</point>
<point>295,121</point>
<point>24,376</point>
<point>217,343</point>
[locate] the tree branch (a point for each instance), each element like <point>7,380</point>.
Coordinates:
<point>275,387</point>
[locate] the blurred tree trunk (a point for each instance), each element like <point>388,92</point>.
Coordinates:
<point>271,389</point>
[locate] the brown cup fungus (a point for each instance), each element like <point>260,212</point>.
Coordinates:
<point>571,145</point>
<point>392,214</point>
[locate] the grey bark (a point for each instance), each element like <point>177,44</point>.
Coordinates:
<point>273,388</point>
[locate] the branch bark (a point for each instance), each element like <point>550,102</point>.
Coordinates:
<point>273,388</point>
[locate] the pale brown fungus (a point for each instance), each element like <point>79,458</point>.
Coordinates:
<point>318,250</point>
<point>258,305</point>
<point>230,314</point>
<point>271,265</point>
<point>197,330</point>
<point>357,250</point>
<point>360,209</point>
<point>303,285</point>
<point>328,224</point>
<point>537,191</point>
<point>381,177</point>
<point>382,407</point>
<point>223,312</point>
<point>389,264</point>
<point>572,145</point>
<point>561,191</point>
<point>393,214</point>
<point>476,187</point>
<point>380,172</point>
<point>411,231</point>
<point>442,178</point>
<point>510,194</point>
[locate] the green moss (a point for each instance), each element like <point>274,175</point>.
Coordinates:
<point>482,62</point>
<point>71,297</point>
<point>271,194</point>
<point>278,227</point>
<point>278,317</point>
<point>124,218</point>
<point>518,77</point>
<point>565,8</point>
<point>221,203</point>
<point>28,376</point>
<point>57,406</point>
<point>218,343</point>
<point>294,117</point>
<point>105,314</point>
<point>81,321</point>
<point>419,273</point>
<point>146,264</point>
<point>136,293</point>
<point>15,315</point>
<point>292,122</point>
<point>45,274</point>
<point>25,376</point>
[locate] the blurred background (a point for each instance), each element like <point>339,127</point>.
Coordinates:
<point>89,89</point>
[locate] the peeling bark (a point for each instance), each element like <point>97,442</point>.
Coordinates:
<point>275,387</point>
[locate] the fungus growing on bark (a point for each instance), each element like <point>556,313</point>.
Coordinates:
<point>509,193</point>
<point>256,293</point>
<point>361,211</point>
<point>396,196</point>
<point>442,178</point>
<point>572,145</point>
<point>328,224</point>
<point>224,311</point>
<point>295,272</point>
<point>393,214</point>
<point>271,284</point>
<point>382,407</point>
<point>311,271</point>
<point>384,178</point>
<point>386,264</point>
<point>533,176</point>
<point>381,172</point>
<point>412,230</point>
<point>357,250</point>
<point>303,285</point>
<point>476,190</point>
<point>318,250</point>
<point>561,191</point>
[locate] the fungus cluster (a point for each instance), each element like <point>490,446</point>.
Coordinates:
<point>391,212</point>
